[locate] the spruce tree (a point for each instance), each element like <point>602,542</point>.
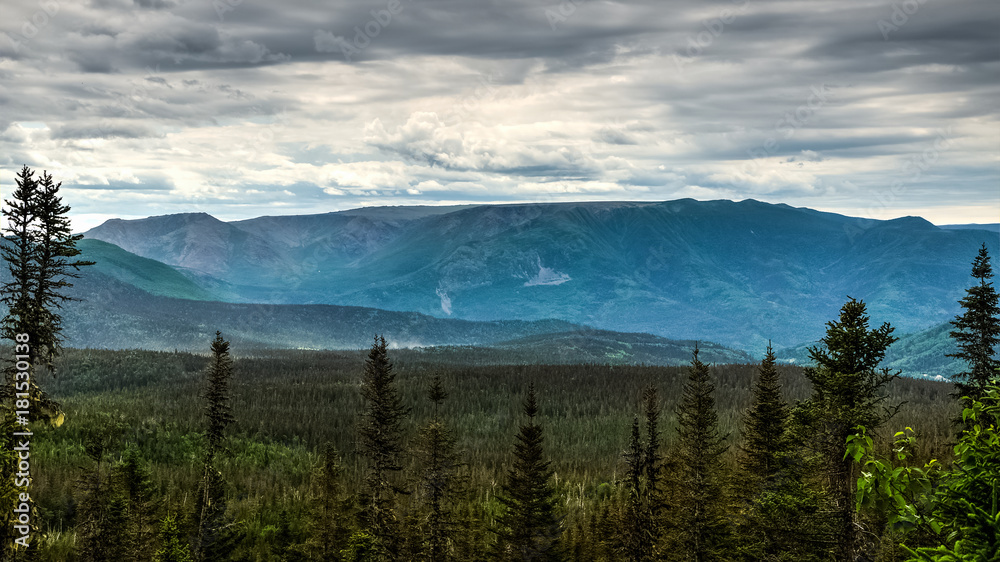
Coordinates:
<point>977,331</point>
<point>20,253</point>
<point>173,544</point>
<point>38,249</point>
<point>440,480</point>
<point>700,523</point>
<point>848,391</point>
<point>330,511</point>
<point>776,509</point>
<point>101,518</point>
<point>214,533</point>
<point>56,245</point>
<point>139,503</point>
<point>381,443</point>
<point>528,528</point>
<point>653,467</point>
<point>765,442</point>
<point>635,539</point>
<point>218,412</point>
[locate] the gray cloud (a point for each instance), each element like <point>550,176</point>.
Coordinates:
<point>257,108</point>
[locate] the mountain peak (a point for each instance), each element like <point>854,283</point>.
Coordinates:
<point>910,222</point>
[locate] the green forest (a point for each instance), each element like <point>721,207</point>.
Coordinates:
<point>391,454</point>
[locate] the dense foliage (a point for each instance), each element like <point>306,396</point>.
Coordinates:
<point>293,468</point>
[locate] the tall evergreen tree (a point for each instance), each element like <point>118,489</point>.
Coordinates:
<point>330,511</point>
<point>214,532</point>
<point>38,247</point>
<point>977,331</point>
<point>440,480</point>
<point>765,443</point>
<point>20,253</point>
<point>34,248</point>
<point>848,391</point>
<point>37,243</point>
<point>776,509</point>
<point>700,523</point>
<point>381,443</point>
<point>653,496</point>
<point>636,537</point>
<point>55,248</point>
<point>218,411</point>
<point>138,504</point>
<point>528,528</point>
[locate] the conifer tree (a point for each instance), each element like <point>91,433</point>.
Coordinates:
<point>20,253</point>
<point>440,480</point>
<point>848,391</point>
<point>214,533</point>
<point>777,510</point>
<point>381,443</point>
<point>636,535</point>
<point>36,242</point>
<point>218,412</point>
<point>38,248</point>
<point>700,523</point>
<point>55,246</point>
<point>328,525</point>
<point>528,528</point>
<point>173,544</point>
<point>977,331</point>
<point>653,467</point>
<point>765,443</point>
<point>138,502</point>
<point>101,519</point>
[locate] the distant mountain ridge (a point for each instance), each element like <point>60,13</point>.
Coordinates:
<point>739,273</point>
<point>992,227</point>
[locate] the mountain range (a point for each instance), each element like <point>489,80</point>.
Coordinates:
<point>737,273</point>
<point>626,282</point>
<point>127,301</point>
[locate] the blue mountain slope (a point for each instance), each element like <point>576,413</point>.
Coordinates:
<point>735,272</point>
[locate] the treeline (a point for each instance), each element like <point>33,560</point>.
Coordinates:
<point>597,463</point>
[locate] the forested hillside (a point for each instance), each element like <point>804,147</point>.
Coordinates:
<point>738,273</point>
<point>289,405</point>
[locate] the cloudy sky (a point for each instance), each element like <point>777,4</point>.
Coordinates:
<point>242,108</point>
